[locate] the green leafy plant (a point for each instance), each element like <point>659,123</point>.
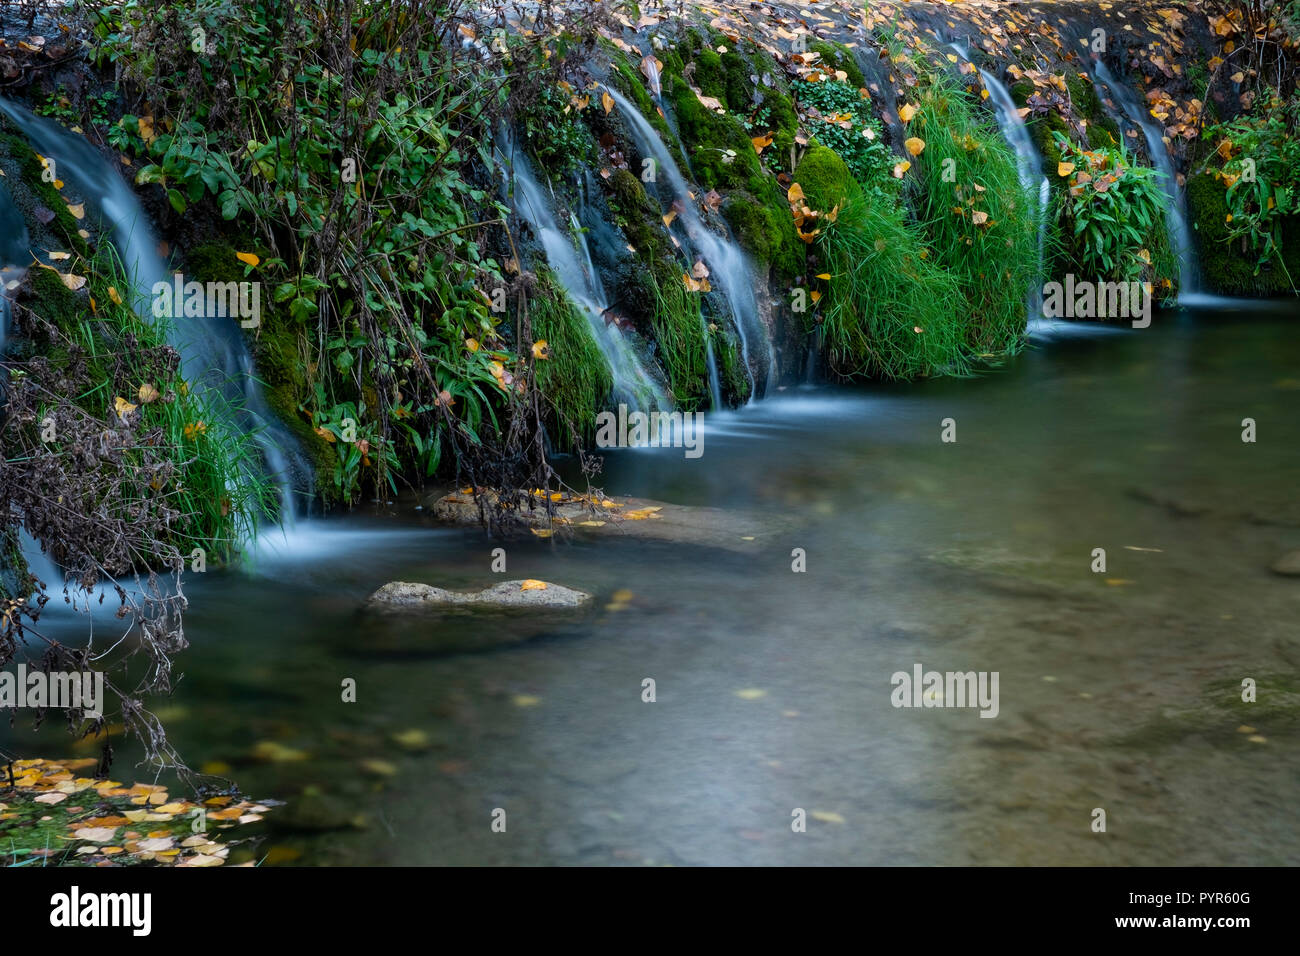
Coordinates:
<point>1113,214</point>
<point>840,118</point>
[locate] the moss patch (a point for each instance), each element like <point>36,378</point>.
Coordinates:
<point>575,379</point>
<point>825,179</point>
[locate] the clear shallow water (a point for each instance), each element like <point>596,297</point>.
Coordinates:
<point>973,555</point>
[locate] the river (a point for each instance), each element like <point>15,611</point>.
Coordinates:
<point>1118,690</point>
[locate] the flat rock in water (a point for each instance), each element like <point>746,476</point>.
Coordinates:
<point>625,517</point>
<point>405,594</point>
<point>1288,564</point>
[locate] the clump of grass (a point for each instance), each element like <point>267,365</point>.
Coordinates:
<point>683,352</point>
<point>889,311</point>
<point>575,378</point>
<point>976,215</point>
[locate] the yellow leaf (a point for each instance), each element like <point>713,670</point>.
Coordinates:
<point>526,700</point>
<point>533,585</point>
<point>979,218</point>
<point>471,344</point>
<point>247,258</point>
<point>824,275</point>
<point>901,168</point>
<point>591,524</point>
<point>915,145</point>
<point>669,217</point>
<point>607,101</point>
<point>751,693</point>
<point>1064,169</point>
<point>122,407</point>
<point>112,294</point>
<point>148,394</point>
<point>815,296</point>
<point>78,211</point>
<point>906,112</point>
<point>542,532</point>
<point>827,816</point>
<point>794,193</point>
<point>1145,256</point>
<point>59,256</point>
<point>540,349</point>
<point>761,142</point>
<point>72,282</point>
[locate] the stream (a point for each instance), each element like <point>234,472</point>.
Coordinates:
<point>1117,690</point>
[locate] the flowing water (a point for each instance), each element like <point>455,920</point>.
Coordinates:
<point>1118,690</point>
<point>1029,164</point>
<point>214,358</point>
<point>569,257</point>
<point>1180,236</point>
<point>729,267</point>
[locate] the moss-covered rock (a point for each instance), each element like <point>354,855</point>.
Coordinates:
<point>765,229</point>
<point>825,179</point>
<point>719,148</point>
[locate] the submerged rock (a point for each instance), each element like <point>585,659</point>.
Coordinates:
<point>1288,564</point>
<point>623,516</point>
<point>405,594</point>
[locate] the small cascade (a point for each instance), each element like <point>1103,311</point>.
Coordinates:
<point>1029,164</point>
<point>569,257</point>
<point>214,358</point>
<point>729,268</point>
<point>1180,236</point>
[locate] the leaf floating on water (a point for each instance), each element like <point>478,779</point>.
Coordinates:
<point>526,700</point>
<point>1118,582</point>
<point>379,768</point>
<point>1133,547</point>
<point>751,693</point>
<point>591,524</point>
<point>827,816</point>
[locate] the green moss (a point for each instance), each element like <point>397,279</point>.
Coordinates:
<point>31,169</point>
<point>709,74</point>
<point>825,179</point>
<point>636,213</point>
<point>53,301</point>
<point>765,229</point>
<point>721,154</point>
<point>575,379</point>
<point>839,57</point>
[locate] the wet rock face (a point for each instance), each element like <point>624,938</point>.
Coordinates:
<point>397,595</point>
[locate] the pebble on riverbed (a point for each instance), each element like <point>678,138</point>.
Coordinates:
<point>1288,564</point>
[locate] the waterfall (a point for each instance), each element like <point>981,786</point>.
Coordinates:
<point>1030,166</point>
<point>1180,236</point>
<point>728,266</point>
<point>214,358</point>
<point>569,257</point>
